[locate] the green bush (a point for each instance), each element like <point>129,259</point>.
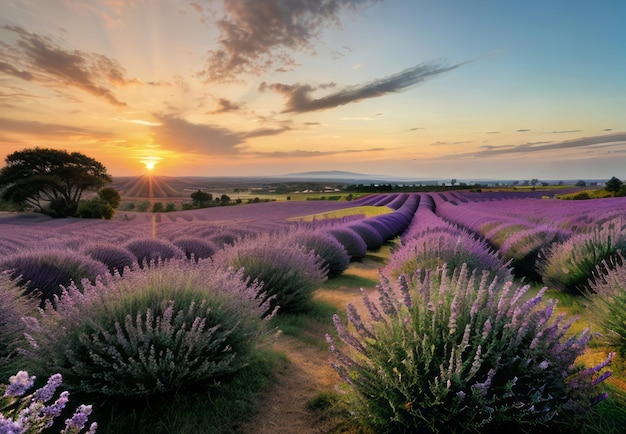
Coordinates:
<point>463,356</point>
<point>96,208</point>
<point>161,330</point>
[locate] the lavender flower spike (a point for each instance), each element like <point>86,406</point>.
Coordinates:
<point>19,384</point>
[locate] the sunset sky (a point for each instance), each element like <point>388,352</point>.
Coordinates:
<point>432,89</point>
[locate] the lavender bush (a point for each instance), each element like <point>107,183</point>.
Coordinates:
<point>373,239</point>
<point>351,241</point>
<point>158,330</point>
<point>463,356</point>
<point>334,257</point>
<point>607,301</point>
<point>21,414</point>
<point>288,272</point>
<point>43,272</point>
<point>433,248</point>
<point>149,251</point>
<point>115,257</point>
<point>195,247</point>
<point>568,266</point>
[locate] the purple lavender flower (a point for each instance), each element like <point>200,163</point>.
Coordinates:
<point>19,384</point>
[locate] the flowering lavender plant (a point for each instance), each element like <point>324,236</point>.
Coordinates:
<point>20,413</point>
<point>289,273</point>
<point>13,306</point>
<point>461,353</point>
<point>158,330</point>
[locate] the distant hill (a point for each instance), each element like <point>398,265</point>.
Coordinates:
<point>328,174</point>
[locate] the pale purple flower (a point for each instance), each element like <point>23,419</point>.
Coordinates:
<point>45,393</point>
<point>19,384</point>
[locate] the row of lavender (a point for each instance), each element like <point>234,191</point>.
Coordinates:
<point>451,345</point>
<point>558,242</point>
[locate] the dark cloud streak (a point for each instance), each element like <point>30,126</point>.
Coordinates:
<point>299,98</point>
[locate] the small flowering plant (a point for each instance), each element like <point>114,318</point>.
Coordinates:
<point>20,413</point>
<point>459,353</point>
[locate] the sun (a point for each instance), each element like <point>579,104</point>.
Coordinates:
<point>150,162</point>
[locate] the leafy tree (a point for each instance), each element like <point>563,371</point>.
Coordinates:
<point>225,199</point>
<point>111,195</point>
<point>201,199</point>
<point>169,207</point>
<point>52,181</point>
<point>613,185</point>
<point>581,183</point>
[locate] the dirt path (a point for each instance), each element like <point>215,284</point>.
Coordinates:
<point>283,409</point>
<point>284,406</point>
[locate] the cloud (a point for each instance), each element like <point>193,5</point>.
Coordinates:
<point>525,130</point>
<point>257,36</point>
<point>181,135</point>
<point>299,98</point>
<point>48,131</point>
<point>609,140</point>
<point>47,62</point>
<point>566,131</point>
<point>224,106</point>
<point>299,153</point>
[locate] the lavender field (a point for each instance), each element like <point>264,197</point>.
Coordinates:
<point>460,330</point>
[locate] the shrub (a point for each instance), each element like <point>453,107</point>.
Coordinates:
<point>433,248</point>
<point>30,414</point>
<point>351,241</point>
<point>160,330</point>
<point>42,272</point>
<point>115,257</point>
<point>462,356</point>
<point>524,247</point>
<point>568,266</point>
<point>334,257</point>
<point>196,247</point>
<point>149,251</point>
<point>96,208</point>
<point>607,301</point>
<point>13,306</point>
<point>373,239</point>
<point>288,272</point>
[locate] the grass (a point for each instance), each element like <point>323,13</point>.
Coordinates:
<point>365,211</point>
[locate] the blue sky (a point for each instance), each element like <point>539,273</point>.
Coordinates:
<point>417,89</point>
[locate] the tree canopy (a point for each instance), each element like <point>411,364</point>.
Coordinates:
<point>614,184</point>
<point>51,181</point>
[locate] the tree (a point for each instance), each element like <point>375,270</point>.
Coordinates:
<point>52,181</point>
<point>201,199</point>
<point>158,207</point>
<point>225,199</point>
<point>111,195</point>
<point>613,185</point>
<point>581,183</point>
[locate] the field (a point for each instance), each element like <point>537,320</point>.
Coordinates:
<point>290,386</point>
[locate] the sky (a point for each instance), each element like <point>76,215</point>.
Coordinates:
<point>417,89</point>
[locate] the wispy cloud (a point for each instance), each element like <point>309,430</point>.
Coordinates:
<point>46,62</point>
<point>299,99</point>
<point>225,105</point>
<point>47,130</point>
<point>299,153</point>
<point>595,142</point>
<point>258,36</point>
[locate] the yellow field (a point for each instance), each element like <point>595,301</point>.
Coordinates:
<point>367,211</point>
